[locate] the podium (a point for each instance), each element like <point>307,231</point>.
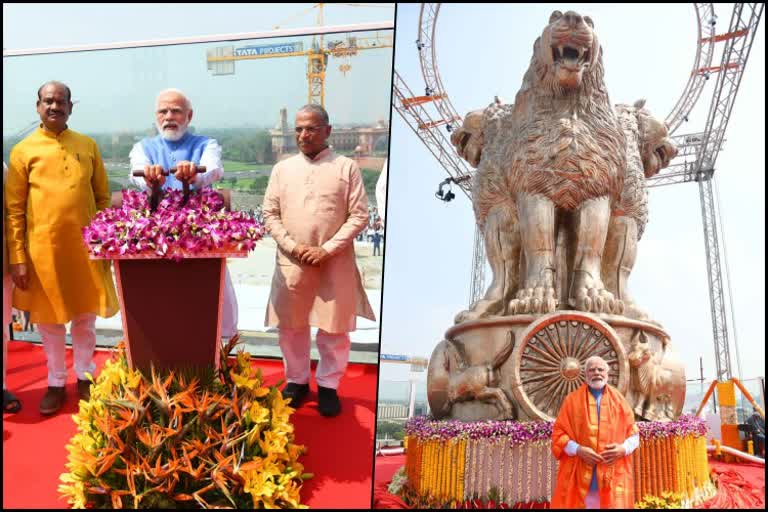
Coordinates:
<point>172,310</point>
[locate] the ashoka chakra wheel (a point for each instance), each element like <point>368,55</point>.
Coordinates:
<point>548,361</point>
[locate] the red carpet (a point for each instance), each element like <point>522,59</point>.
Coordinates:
<point>340,449</point>
<point>385,468</point>
<point>739,485</point>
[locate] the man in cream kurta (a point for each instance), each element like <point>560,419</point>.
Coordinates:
<point>314,206</point>
<point>56,184</point>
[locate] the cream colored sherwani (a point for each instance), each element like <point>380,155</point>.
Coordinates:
<point>316,202</point>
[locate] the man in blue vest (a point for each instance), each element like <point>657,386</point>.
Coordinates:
<point>175,147</point>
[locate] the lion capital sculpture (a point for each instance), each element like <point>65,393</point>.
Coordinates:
<point>550,186</point>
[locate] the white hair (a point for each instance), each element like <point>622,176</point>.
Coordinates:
<point>594,359</point>
<point>187,103</point>
<point>316,109</point>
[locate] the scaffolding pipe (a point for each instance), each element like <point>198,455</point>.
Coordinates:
<point>736,453</point>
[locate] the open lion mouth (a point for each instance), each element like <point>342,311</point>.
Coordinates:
<point>666,153</point>
<point>661,154</point>
<point>570,56</point>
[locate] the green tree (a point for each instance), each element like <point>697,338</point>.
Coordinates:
<point>370,177</point>
<point>392,429</point>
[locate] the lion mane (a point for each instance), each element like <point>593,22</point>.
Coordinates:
<point>649,149</point>
<point>563,143</point>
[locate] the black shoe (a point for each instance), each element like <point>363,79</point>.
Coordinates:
<point>296,392</point>
<point>84,389</point>
<point>328,401</point>
<point>11,404</point>
<point>52,400</point>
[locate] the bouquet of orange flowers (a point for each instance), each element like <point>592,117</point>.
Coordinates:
<point>171,441</point>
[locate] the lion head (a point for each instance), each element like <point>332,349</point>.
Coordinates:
<point>568,49</point>
<point>656,147</point>
<point>566,142</point>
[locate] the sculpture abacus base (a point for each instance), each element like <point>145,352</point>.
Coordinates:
<point>522,366</point>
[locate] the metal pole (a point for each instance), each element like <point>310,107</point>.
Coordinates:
<point>412,400</point>
<point>714,273</point>
<point>718,208</point>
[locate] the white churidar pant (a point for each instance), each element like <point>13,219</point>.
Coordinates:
<point>83,332</point>
<point>228,308</point>
<point>334,356</point>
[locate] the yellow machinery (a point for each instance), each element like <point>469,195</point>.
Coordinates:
<point>317,55</point>
<point>726,394</point>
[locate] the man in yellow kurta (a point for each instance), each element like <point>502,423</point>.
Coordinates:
<point>314,206</point>
<point>56,184</point>
<point>593,436</point>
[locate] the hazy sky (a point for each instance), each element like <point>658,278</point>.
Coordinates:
<point>116,88</point>
<point>484,50</point>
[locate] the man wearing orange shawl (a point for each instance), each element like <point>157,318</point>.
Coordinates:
<point>593,436</point>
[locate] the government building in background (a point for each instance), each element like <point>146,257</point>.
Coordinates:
<point>359,143</point>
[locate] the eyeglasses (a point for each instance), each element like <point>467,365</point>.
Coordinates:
<point>309,129</point>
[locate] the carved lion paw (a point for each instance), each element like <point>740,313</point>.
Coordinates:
<point>480,309</point>
<point>596,299</point>
<point>538,299</point>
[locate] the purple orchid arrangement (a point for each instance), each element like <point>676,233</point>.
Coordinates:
<point>685,425</point>
<point>173,230</point>
<point>518,432</point>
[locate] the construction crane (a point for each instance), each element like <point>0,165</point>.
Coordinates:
<point>426,114</point>
<point>221,60</point>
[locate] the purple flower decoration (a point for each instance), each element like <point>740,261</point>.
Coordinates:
<point>518,432</point>
<point>173,230</point>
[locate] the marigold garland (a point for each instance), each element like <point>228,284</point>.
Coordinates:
<point>636,472</point>
<point>656,475</point>
<point>644,480</point>
<point>462,467</point>
<point>669,463</point>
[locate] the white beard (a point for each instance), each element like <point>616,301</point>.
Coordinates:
<point>171,135</point>
<point>596,387</point>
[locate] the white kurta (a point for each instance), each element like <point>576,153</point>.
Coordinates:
<point>319,202</point>
<point>381,191</point>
